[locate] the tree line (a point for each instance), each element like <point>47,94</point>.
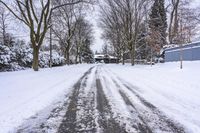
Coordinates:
<point>64,21</point>
<point>134,29</point>
<point>139,29</point>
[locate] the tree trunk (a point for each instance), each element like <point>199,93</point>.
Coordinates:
<point>68,60</point>
<point>35,64</point>
<point>68,51</point>
<point>80,58</point>
<point>118,57</point>
<point>66,56</point>
<point>123,59</point>
<point>76,59</point>
<point>77,55</point>
<point>132,56</point>
<point>170,26</point>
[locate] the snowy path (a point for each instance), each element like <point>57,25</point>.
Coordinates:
<point>102,102</point>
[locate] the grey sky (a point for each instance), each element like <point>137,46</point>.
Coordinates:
<point>20,32</point>
<point>93,17</point>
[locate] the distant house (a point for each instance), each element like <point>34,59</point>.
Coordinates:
<point>190,52</point>
<point>101,58</point>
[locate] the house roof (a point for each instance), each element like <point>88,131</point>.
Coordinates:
<point>102,56</point>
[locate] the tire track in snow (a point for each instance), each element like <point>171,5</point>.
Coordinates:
<point>107,122</point>
<point>175,127</point>
<point>90,108</point>
<point>141,127</point>
<point>52,119</point>
<point>79,116</point>
<point>153,119</point>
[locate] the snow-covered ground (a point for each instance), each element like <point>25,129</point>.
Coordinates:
<point>24,93</point>
<point>175,92</point>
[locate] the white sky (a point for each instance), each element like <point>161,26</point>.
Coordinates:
<point>93,18</point>
<point>21,32</point>
<point>195,3</point>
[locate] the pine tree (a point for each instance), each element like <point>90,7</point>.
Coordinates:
<point>158,24</point>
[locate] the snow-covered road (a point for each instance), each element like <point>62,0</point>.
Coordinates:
<point>24,93</point>
<point>123,99</point>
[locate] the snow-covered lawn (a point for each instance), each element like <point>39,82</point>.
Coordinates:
<point>24,93</point>
<point>175,92</point>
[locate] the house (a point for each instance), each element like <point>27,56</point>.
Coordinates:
<point>190,52</point>
<point>101,58</point>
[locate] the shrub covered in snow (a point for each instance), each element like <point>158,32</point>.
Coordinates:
<point>23,54</point>
<point>44,58</point>
<point>19,57</point>
<point>5,57</point>
<point>57,60</point>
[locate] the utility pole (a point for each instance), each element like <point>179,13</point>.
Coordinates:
<point>50,47</point>
<point>151,57</point>
<point>50,36</point>
<point>181,47</point>
<point>181,56</point>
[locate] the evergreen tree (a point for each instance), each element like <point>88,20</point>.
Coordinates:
<point>158,25</point>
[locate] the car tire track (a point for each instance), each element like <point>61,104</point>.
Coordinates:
<point>90,109</point>
<point>162,122</point>
<point>50,122</point>
<point>79,101</point>
<point>106,121</point>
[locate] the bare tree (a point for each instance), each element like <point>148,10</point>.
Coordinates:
<point>4,17</point>
<point>188,25</point>
<point>36,15</point>
<point>173,24</point>
<point>112,27</point>
<point>83,35</point>
<point>66,20</point>
<point>183,22</point>
<point>64,27</point>
<point>122,19</point>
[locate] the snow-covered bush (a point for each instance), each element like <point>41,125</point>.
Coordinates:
<point>19,56</point>
<point>23,54</point>
<point>43,59</point>
<point>57,60</point>
<point>5,57</point>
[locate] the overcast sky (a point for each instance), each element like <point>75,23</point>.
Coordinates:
<point>195,3</point>
<point>93,17</point>
<point>20,32</point>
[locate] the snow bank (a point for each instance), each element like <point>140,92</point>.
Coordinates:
<point>175,92</point>
<point>24,93</point>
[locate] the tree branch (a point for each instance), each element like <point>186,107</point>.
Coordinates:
<point>24,21</point>
<point>32,9</point>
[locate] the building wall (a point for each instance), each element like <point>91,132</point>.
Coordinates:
<point>191,52</point>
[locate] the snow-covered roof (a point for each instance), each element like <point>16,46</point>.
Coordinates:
<point>170,46</point>
<point>112,57</point>
<point>101,56</point>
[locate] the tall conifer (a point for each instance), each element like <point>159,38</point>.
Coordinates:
<point>158,23</point>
